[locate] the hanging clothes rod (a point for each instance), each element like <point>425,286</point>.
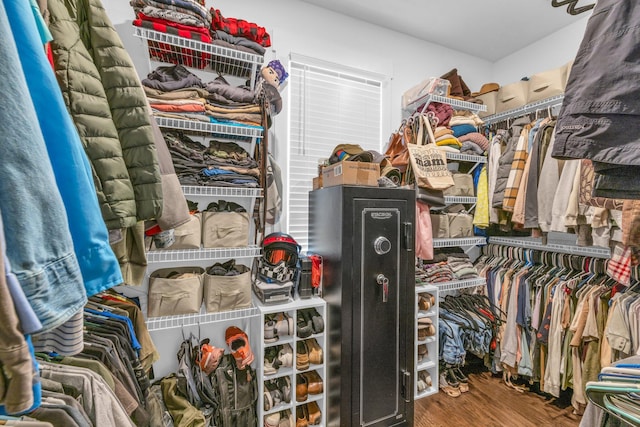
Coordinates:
<point>531,243</point>
<point>552,102</point>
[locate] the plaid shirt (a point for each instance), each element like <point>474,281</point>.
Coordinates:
<point>517,171</point>
<point>619,266</point>
<point>240,28</point>
<point>164,52</point>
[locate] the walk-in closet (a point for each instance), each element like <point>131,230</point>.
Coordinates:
<point>220,213</point>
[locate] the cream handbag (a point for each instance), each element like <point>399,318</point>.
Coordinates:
<point>512,96</point>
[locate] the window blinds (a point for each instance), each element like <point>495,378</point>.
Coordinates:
<point>327,108</point>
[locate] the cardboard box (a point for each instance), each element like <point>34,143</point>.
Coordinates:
<point>317,182</point>
<point>351,173</point>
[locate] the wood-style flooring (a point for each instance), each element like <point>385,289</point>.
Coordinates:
<point>491,403</point>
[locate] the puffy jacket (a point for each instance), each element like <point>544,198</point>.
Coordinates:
<point>104,96</point>
<point>506,159</point>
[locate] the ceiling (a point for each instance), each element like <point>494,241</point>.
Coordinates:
<point>489,29</point>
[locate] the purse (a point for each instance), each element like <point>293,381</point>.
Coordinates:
<point>397,152</point>
<point>428,163</point>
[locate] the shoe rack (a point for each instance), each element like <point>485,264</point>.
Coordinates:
<point>426,341</point>
<point>292,362</point>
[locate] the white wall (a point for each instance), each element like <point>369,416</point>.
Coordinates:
<point>550,52</point>
<point>300,28</point>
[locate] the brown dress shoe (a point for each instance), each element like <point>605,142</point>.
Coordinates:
<point>302,356</point>
<point>314,416</point>
<point>315,351</point>
<point>302,388</point>
<point>314,382</point>
<point>301,418</point>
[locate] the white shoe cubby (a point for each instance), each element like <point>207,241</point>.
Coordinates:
<point>426,365</point>
<point>290,374</point>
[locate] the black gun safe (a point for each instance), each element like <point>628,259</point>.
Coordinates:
<point>365,236</point>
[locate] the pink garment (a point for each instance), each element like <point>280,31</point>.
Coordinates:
<point>477,138</point>
<point>424,233</point>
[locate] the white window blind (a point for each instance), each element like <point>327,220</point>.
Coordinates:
<point>327,107</point>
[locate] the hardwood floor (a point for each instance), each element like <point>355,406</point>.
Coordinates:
<point>491,403</point>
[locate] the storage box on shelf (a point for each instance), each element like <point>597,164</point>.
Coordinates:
<point>293,361</point>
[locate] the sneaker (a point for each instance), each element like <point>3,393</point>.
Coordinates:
<point>305,325</point>
<point>285,356</point>
<point>284,324</point>
<point>284,385</point>
<point>270,356</point>
<point>270,331</point>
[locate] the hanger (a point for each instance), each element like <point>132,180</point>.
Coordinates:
<point>571,8</point>
<point>607,395</point>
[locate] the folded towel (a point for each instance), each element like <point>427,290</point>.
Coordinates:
<point>461,130</point>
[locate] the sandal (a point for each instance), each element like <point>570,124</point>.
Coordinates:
<point>462,379</point>
<point>451,389</point>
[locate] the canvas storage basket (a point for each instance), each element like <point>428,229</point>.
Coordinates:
<point>463,186</point>
<point>489,99</point>
<point>225,229</point>
<point>440,225</point>
<point>170,295</point>
<point>188,235</point>
<point>512,96</point>
<point>548,83</point>
<point>460,225</point>
<point>224,293</point>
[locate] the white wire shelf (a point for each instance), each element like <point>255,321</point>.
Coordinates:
<point>554,101</point>
<point>455,103</point>
<point>202,318</point>
<point>174,49</point>
<point>460,199</point>
<point>213,129</point>
<point>532,243</point>
<point>194,190</point>
<point>464,241</point>
<point>461,284</point>
<point>465,157</point>
<point>203,254</point>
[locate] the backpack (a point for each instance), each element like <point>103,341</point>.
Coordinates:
<point>236,393</point>
<point>274,191</point>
